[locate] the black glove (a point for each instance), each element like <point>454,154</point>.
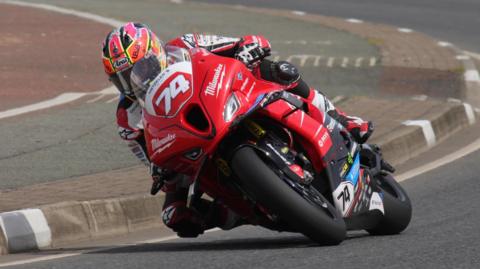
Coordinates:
<point>159,176</point>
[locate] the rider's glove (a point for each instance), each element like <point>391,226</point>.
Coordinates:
<point>159,177</point>
<point>252,49</point>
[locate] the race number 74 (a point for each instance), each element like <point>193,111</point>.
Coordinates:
<point>178,85</point>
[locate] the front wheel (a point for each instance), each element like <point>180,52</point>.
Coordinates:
<point>397,207</point>
<point>321,223</point>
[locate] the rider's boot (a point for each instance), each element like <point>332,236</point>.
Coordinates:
<point>360,130</point>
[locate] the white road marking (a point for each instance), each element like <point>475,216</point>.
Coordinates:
<point>454,100</point>
<point>303,58</point>
<point>427,129</point>
<point>112,100</point>
<point>473,54</point>
<point>66,255</point>
<point>444,44</point>
<point>40,259</point>
<point>299,13</point>
<point>302,42</point>
<point>177,1</point>
<point>462,57</point>
<point>320,42</point>
<point>330,62</point>
<point>81,14</point>
<point>421,97</point>
<point>93,100</point>
<point>472,75</point>
<point>59,100</point>
<point>405,30</point>
<point>337,98</point>
<point>353,20</point>
<point>65,97</point>
<point>109,90</point>
<point>316,63</point>
<point>440,162</point>
<point>317,60</point>
<point>358,62</point>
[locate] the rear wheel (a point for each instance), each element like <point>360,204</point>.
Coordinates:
<point>397,207</point>
<point>307,211</point>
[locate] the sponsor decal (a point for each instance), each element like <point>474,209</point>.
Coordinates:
<point>349,159</point>
<point>239,76</point>
<point>244,85</point>
<point>343,197</point>
<point>118,64</point>
<point>189,40</point>
<point>323,139</point>
<point>251,89</point>
<point>211,88</point>
<point>284,67</point>
<point>376,202</point>
<point>352,176</point>
<point>159,145</point>
<point>136,50</point>
<point>344,169</point>
<point>178,85</point>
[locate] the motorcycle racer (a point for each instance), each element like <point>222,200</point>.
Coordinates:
<point>125,46</point>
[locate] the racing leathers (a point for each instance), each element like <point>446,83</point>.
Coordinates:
<point>251,50</point>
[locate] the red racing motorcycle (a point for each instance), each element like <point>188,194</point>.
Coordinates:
<point>253,146</point>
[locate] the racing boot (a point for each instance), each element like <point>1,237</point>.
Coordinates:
<point>360,129</point>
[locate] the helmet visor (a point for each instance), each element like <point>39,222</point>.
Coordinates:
<point>121,80</point>
<point>143,73</point>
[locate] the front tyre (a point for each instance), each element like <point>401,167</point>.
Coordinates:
<point>397,207</point>
<point>269,190</point>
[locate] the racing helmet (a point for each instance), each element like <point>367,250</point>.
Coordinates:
<point>125,46</point>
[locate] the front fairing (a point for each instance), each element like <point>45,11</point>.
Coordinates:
<point>184,91</point>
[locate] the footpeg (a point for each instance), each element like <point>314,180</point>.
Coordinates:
<point>387,167</point>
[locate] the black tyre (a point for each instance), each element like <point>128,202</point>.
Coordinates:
<point>323,225</point>
<point>397,207</point>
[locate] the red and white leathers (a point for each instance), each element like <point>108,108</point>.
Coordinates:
<point>175,215</point>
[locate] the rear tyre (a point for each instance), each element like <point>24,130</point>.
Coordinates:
<point>397,207</point>
<point>323,225</point>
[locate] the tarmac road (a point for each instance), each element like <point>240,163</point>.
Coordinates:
<point>453,20</point>
<point>443,233</point>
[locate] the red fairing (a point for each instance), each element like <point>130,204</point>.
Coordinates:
<point>179,91</point>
